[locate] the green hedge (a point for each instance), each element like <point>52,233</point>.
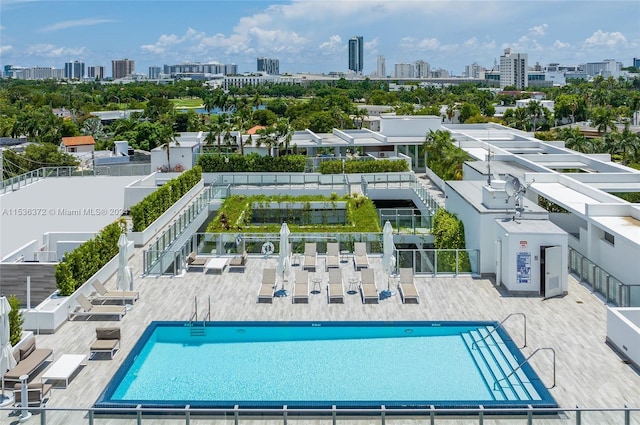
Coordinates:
<point>235,215</point>
<point>155,204</point>
<point>84,261</point>
<point>448,232</point>
<point>352,166</point>
<point>252,163</point>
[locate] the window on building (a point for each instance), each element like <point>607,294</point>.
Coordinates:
<point>609,238</point>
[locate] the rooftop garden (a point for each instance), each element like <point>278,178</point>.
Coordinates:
<point>303,214</point>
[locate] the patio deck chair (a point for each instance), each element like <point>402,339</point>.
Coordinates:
<point>238,262</point>
<point>107,341</point>
<point>301,287</point>
<point>37,394</point>
<point>194,261</point>
<point>88,309</point>
<point>407,287</point>
<point>106,295</point>
<point>335,288</point>
<point>368,288</point>
<point>310,256</point>
<point>360,257</point>
<point>333,255</point>
<point>267,287</point>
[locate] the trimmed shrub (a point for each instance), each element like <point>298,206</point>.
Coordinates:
<point>252,163</point>
<point>355,166</point>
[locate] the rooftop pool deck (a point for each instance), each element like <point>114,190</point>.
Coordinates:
<point>589,372</point>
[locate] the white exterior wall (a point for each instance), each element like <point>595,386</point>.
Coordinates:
<point>409,125</point>
<point>514,243</point>
<point>620,259</point>
<point>623,331</point>
<point>178,155</point>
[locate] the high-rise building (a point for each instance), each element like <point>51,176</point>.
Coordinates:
<point>154,72</point>
<point>356,54</point>
<point>74,70</point>
<point>422,69</point>
<point>513,70</point>
<point>403,70</point>
<point>472,71</point>
<point>636,62</point>
<point>96,72</point>
<point>269,66</point>
<point>606,68</point>
<point>122,68</point>
<point>381,67</point>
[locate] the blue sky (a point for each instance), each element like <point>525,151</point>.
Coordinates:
<point>312,36</point>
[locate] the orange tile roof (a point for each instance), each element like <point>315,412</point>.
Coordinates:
<point>255,128</point>
<point>78,141</point>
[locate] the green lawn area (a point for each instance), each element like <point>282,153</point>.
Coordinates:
<point>187,102</point>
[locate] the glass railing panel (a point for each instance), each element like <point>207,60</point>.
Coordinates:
<point>425,261</point>
<point>614,285</point>
<point>634,296</point>
<point>600,280</point>
<point>446,261</point>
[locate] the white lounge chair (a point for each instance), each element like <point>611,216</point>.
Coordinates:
<point>301,287</point>
<point>106,295</point>
<point>335,288</point>
<point>267,287</point>
<point>87,309</point>
<point>310,256</point>
<point>368,288</point>
<point>407,287</point>
<point>360,257</point>
<point>333,255</point>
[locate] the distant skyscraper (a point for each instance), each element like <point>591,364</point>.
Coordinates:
<point>74,70</point>
<point>154,72</point>
<point>381,67</point>
<point>270,66</point>
<point>122,68</point>
<point>356,54</point>
<point>96,72</point>
<point>403,70</point>
<point>472,71</point>
<point>513,70</point>
<point>422,69</point>
<point>636,62</point>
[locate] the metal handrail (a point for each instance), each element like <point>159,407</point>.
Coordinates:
<point>194,315</point>
<point>500,325</point>
<point>526,361</point>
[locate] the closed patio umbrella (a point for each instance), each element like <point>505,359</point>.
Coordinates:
<point>283,258</point>
<point>125,276</point>
<point>7,361</point>
<point>388,259</point>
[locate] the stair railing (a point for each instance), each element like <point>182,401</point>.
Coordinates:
<point>495,383</point>
<point>500,325</point>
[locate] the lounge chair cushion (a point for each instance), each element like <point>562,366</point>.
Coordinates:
<point>108,333</point>
<point>32,360</point>
<point>27,348</point>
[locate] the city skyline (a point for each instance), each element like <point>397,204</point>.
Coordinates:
<point>311,36</point>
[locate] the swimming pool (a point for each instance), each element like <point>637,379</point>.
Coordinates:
<point>321,364</point>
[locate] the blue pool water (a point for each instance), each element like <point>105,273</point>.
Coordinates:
<point>320,364</point>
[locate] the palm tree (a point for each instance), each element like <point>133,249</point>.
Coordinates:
<point>284,133</point>
<point>625,143</point>
<point>535,111</point>
<point>602,119</point>
<point>451,112</point>
<point>166,138</point>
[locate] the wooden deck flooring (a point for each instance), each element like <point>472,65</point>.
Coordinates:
<point>589,373</point>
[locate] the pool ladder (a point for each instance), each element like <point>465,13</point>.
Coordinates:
<point>199,327</point>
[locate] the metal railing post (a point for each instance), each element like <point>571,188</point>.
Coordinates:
<point>187,414</point>
<point>627,415</point>
<point>578,416</point>
<point>382,414</point>
<point>432,414</point>
<point>236,414</point>
<point>139,414</point>
<point>90,417</point>
<point>284,415</point>
<point>481,415</point>
<point>530,415</point>
<point>333,414</point>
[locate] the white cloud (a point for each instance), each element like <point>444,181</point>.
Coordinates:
<point>5,49</point>
<point>538,30</point>
<point>560,45</point>
<point>167,41</point>
<point>88,22</point>
<point>52,51</point>
<point>332,45</point>
<point>609,39</point>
